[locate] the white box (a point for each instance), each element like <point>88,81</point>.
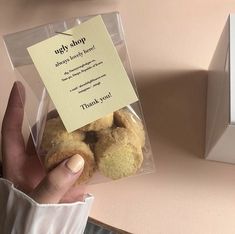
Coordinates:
<point>220,123</point>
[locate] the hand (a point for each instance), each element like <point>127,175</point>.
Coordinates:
<point>22,166</point>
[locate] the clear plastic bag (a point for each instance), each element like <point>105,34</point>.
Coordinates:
<point>40,110</point>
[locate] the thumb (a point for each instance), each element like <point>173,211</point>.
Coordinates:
<point>53,187</point>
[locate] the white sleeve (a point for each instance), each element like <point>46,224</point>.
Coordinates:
<point>21,214</point>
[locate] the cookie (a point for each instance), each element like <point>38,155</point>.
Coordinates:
<point>67,149</point>
<point>118,153</point>
<point>56,133</point>
<point>99,124</point>
<point>126,119</point>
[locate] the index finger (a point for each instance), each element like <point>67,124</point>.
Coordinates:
<point>12,139</point>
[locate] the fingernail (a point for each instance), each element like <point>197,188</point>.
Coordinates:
<point>75,163</point>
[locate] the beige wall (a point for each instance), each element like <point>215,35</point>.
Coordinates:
<point>170,44</point>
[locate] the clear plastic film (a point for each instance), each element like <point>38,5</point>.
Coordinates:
<point>114,146</point>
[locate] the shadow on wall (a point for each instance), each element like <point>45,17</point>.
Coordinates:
<point>174,106</point>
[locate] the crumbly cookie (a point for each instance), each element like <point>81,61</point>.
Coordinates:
<point>118,153</point>
<point>124,118</point>
<point>67,149</point>
<point>99,124</point>
<point>55,133</point>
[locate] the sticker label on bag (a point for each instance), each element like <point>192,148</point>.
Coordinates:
<point>83,73</point>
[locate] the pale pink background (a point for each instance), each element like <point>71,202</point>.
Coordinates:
<point>170,44</point>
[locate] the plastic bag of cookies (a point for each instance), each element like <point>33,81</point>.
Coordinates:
<point>113,146</point>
